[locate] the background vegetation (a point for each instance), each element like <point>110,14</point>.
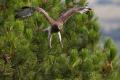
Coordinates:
<point>25,55</point>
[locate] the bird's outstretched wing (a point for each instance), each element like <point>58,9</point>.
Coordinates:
<point>65,16</point>
<point>46,15</point>
<point>24,12</point>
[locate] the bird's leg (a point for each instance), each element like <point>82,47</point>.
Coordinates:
<point>60,39</point>
<point>49,38</point>
<point>48,30</point>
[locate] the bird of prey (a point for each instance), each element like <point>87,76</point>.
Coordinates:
<point>55,25</point>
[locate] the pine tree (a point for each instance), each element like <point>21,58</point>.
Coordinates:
<point>25,55</point>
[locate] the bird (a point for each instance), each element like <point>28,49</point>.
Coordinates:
<point>56,26</point>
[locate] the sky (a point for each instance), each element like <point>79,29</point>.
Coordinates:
<point>109,14</point>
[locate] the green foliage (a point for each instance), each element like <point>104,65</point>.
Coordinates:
<point>81,58</point>
<point>111,49</point>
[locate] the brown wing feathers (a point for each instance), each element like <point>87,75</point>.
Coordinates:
<point>41,10</point>
<point>28,11</point>
<point>65,16</point>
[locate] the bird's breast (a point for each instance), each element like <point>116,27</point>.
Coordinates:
<point>55,28</point>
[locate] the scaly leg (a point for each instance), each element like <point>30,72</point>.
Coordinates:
<point>60,39</point>
<point>49,38</point>
<point>48,30</point>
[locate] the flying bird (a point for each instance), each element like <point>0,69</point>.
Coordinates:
<point>56,26</point>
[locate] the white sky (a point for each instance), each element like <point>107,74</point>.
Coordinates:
<point>107,14</point>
